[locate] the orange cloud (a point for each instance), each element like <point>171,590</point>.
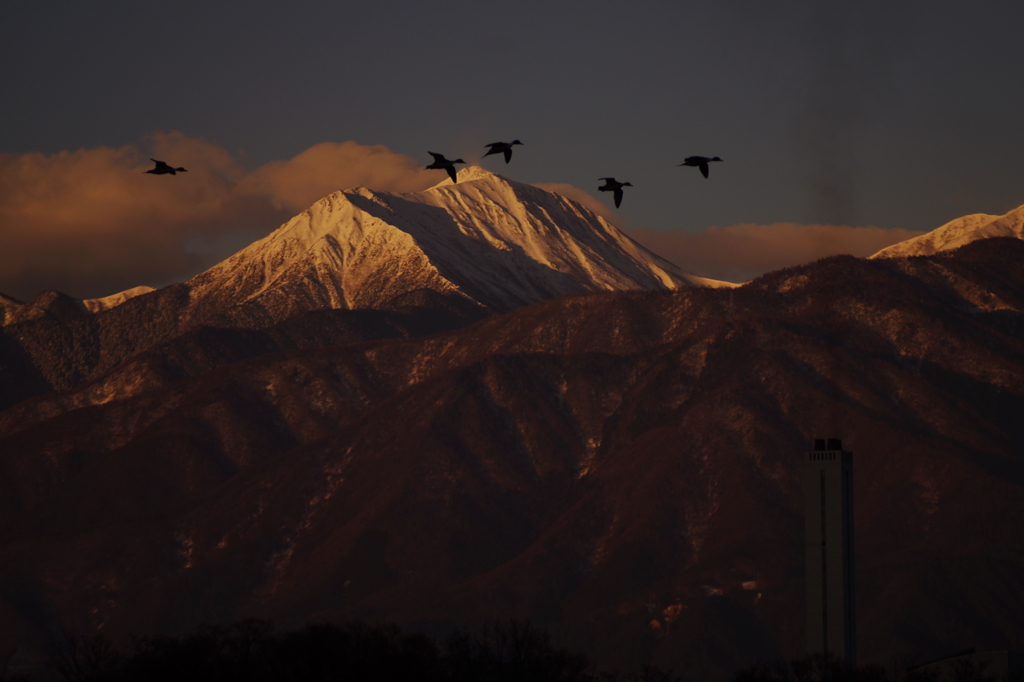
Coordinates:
<point>327,167</point>
<point>741,252</point>
<point>92,222</point>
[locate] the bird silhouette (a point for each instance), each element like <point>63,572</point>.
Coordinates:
<point>500,147</point>
<point>613,185</point>
<point>700,162</point>
<point>442,163</point>
<point>162,168</point>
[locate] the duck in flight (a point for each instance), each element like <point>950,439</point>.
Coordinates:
<point>162,168</point>
<point>502,147</point>
<point>700,162</point>
<point>442,163</point>
<point>612,185</point>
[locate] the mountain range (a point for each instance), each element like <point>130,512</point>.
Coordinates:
<point>487,239</point>
<point>482,401</point>
<point>409,263</point>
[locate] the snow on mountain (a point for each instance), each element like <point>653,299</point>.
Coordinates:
<point>497,242</point>
<point>53,302</point>
<point>107,302</point>
<point>956,233</point>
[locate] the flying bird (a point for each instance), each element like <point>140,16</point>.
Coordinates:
<point>612,185</point>
<point>162,169</point>
<point>442,163</point>
<point>500,147</point>
<point>700,162</point>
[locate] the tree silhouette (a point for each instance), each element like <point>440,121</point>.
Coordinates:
<point>510,652</point>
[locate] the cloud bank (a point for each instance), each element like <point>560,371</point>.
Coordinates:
<point>741,252</point>
<point>91,222</point>
<point>294,185</point>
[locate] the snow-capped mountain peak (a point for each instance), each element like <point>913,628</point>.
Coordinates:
<point>500,243</point>
<point>956,233</point>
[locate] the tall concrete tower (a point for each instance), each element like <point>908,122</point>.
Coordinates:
<point>828,536</point>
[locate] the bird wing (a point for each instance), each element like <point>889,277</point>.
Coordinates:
<point>495,144</point>
<point>437,157</point>
<point>508,154</point>
<point>704,169</point>
<point>618,197</point>
<point>451,173</point>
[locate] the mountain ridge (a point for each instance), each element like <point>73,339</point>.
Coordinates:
<point>949,236</point>
<point>617,467</point>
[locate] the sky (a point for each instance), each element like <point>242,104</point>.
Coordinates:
<point>844,126</point>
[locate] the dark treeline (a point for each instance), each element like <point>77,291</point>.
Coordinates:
<point>251,651</point>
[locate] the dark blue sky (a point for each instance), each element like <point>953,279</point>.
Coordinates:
<point>862,113</point>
